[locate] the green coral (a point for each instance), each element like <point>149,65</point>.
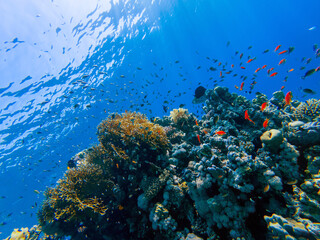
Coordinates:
<point>308,111</point>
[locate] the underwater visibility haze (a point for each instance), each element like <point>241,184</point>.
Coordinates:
<point>167,119</point>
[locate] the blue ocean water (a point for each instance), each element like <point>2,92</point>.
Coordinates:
<point>65,65</point>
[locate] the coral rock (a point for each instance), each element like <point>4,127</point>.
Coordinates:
<point>272,139</point>
<point>306,135</point>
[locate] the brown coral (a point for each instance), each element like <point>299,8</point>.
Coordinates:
<point>82,193</point>
<point>120,134</point>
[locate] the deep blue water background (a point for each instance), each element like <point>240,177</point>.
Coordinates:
<point>65,65</point>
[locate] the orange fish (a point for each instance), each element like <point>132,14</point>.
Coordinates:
<point>288,98</point>
<point>265,123</point>
<point>246,116</point>
<point>236,86</point>
<point>241,86</point>
<point>290,70</point>
<point>282,61</point>
<point>228,72</point>
<point>257,70</point>
<point>250,60</point>
<point>273,74</point>
<point>243,67</point>
<point>198,138</point>
<point>205,132</point>
<point>282,52</point>
<point>263,106</point>
<point>220,133</point>
<point>276,49</point>
<point>317,69</point>
<point>264,66</point>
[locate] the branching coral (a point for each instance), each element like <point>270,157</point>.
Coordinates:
<point>118,133</point>
<point>308,111</point>
<point>81,194</point>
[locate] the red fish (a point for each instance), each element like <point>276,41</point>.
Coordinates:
<point>257,70</point>
<point>219,64</point>
<point>282,88</point>
<point>220,133</point>
<point>282,52</point>
<point>264,66</point>
<point>270,70</point>
<point>241,86</point>
<point>288,98</point>
<point>250,60</point>
<point>232,65</point>
<point>198,138</point>
<point>276,49</point>
<point>243,67</point>
<point>273,74</point>
<point>196,122</point>
<point>220,73</point>
<point>265,123</point>
<point>317,69</point>
<point>282,61</point>
<point>263,106</point>
<point>241,55</point>
<point>246,116</point>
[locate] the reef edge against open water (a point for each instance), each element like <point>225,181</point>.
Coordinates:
<point>245,170</point>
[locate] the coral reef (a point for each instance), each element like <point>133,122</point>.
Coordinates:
<point>102,187</point>
<point>179,177</point>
